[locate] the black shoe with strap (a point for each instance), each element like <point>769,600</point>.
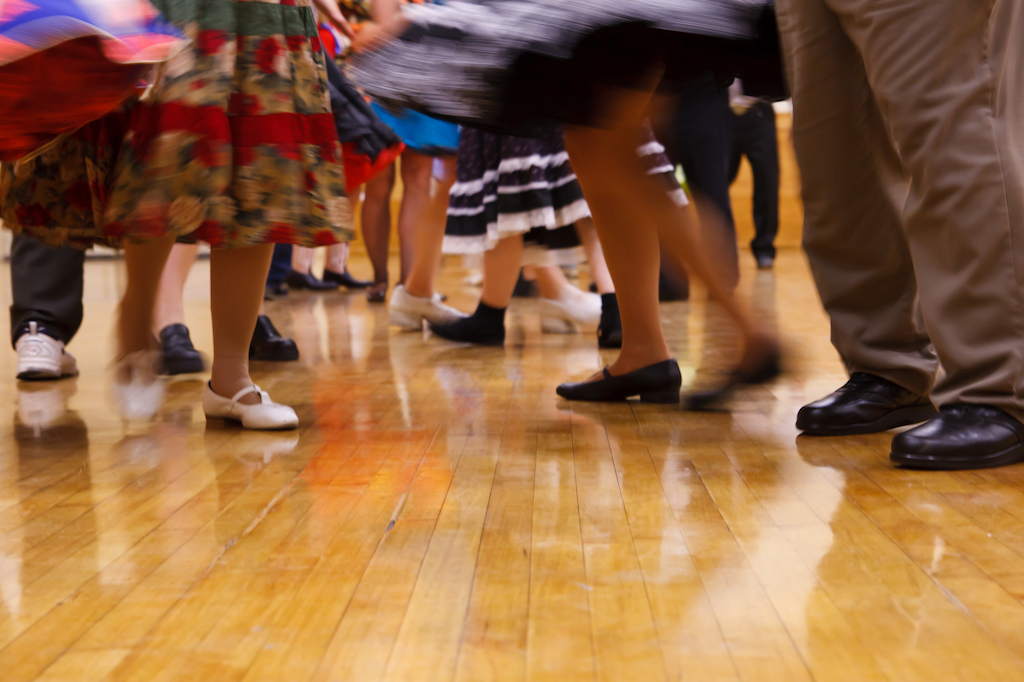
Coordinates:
<point>767,369</point>
<point>657,383</point>
<point>962,436</point>
<point>865,404</point>
<point>268,345</point>
<point>177,354</point>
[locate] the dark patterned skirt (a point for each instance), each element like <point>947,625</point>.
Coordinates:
<point>517,66</point>
<point>509,186</point>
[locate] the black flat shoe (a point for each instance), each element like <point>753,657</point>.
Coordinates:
<point>657,383</point>
<point>767,370</point>
<point>345,279</point>
<point>485,327</point>
<point>177,354</point>
<point>296,280</point>
<point>268,345</point>
<point>961,437</point>
<point>764,261</point>
<point>865,404</point>
<point>609,331</point>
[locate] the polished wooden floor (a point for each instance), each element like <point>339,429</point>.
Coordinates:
<point>442,515</point>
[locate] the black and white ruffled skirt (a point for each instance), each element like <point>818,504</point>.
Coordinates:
<point>507,186</point>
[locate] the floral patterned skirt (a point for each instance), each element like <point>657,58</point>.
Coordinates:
<point>234,144</point>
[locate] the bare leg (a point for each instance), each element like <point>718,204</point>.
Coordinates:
<point>621,194</point>
<point>423,216</point>
<point>377,223</point>
<point>595,256</point>
<point>302,259</point>
<point>337,257</point>
<point>144,263</point>
<point>237,277</point>
<point>501,270</point>
<point>551,281</point>
<point>169,307</point>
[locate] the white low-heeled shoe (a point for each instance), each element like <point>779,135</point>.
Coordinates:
<point>266,415</point>
<point>137,391</point>
<point>563,315</point>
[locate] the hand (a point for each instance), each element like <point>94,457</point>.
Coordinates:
<point>330,10</point>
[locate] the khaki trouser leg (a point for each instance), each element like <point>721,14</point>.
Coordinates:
<point>854,192</point>
<point>948,76</point>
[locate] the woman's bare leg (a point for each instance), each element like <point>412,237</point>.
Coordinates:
<point>551,281</point>
<point>169,307</point>
<point>376,219</point>
<point>237,277</point>
<point>595,256</point>
<point>302,259</point>
<point>423,218</point>
<point>501,270</point>
<point>337,257</point>
<point>144,264</point>
<point>622,196</point>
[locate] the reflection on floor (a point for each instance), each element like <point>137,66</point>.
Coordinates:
<point>442,515</point>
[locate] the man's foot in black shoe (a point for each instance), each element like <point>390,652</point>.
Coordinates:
<point>297,280</point>
<point>962,436</point>
<point>268,345</point>
<point>345,279</point>
<point>765,261</point>
<point>177,354</point>
<point>864,404</point>
<point>657,383</point>
<point>486,327</point>
<point>609,331</point>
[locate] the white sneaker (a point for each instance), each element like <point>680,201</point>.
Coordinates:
<point>265,415</point>
<point>138,391</point>
<point>570,310</point>
<point>41,357</point>
<point>409,312</point>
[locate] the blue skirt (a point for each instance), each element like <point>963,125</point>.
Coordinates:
<point>420,132</point>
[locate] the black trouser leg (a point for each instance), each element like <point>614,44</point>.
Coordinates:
<point>755,130</point>
<point>701,141</point>
<point>280,265</point>
<point>46,283</point>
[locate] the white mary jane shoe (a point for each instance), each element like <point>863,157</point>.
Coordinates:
<point>266,415</point>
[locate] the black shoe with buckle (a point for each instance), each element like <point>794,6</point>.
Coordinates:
<point>268,345</point>
<point>962,436</point>
<point>657,383</point>
<point>865,404</point>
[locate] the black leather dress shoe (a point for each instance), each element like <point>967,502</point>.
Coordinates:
<point>657,383</point>
<point>864,404</point>
<point>177,354</point>
<point>296,280</point>
<point>961,437</point>
<point>268,345</point>
<point>345,279</point>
